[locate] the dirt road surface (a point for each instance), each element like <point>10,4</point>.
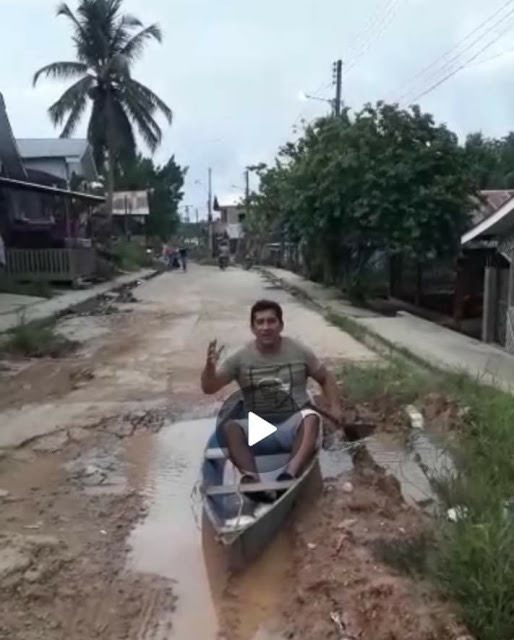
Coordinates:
<point>100,531</point>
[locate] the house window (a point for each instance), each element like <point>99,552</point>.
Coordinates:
<point>242,217</point>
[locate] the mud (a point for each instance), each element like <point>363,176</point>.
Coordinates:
<point>102,536</point>
<point>338,588</point>
<point>62,554</point>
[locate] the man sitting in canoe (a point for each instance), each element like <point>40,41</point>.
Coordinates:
<point>286,363</point>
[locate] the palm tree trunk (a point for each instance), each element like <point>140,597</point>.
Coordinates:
<point>110,183</point>
<point>110,158</point>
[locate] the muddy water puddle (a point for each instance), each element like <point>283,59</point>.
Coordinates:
<point>175,542</point>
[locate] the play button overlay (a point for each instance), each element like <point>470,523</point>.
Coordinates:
<point>266,416</point>
<point>258,429</point>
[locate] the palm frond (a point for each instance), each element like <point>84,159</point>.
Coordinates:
<point>64,10</point>
<point>61,71</point>
<point>75,115</point>
<point>147,127</point>
<point>99,21</point>
<point>135,46</point>
<point>123,32</point>
<point>71,100</point>
<point>148,97</point>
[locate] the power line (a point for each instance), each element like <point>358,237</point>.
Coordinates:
<point>466,63</point>
<point>410,83</point>
<point>449,66</point>
<point>495,57</point>
<point>388,17</point>
<point>362,36</point>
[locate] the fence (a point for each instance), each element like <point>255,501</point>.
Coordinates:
<point>53,265</point>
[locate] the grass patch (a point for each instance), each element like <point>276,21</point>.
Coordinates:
<point>36,340</point>
<point>394,378</point>
<point>472,560</point>
<point>38,288</point>
<point>348,325</point>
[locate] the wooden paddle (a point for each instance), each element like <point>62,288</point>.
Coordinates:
<point>353,431</point>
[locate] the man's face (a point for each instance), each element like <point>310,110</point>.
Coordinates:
<point>267,327</point>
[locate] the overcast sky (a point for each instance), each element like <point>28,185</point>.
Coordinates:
<point>232,70</point>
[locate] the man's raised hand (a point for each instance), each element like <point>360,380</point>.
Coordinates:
<point>213,354</point>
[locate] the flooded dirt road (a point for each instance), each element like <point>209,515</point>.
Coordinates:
<point>101,532</point>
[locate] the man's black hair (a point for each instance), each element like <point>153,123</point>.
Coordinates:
<point>266,305</point>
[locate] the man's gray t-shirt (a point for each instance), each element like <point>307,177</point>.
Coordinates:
<point>286,370</point>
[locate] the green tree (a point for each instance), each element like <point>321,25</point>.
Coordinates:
<point>107,43</point>
<point>492,160</point>
<point>263,220</point>
<point>165,191</point>
<point>386,179</point>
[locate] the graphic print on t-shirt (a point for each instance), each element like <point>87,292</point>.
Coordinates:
<point>274,389</point>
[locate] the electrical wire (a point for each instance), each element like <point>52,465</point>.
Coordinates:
<point>362,36</point>
<point>409,86</point>
<point>465,64</point>
<point>491,58</point>
<point>387,19</point>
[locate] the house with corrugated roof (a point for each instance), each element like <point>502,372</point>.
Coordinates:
<point>67,160</point>
<point>45,225</point>
<point>493,237</point>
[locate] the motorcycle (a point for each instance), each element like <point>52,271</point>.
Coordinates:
<point>223,262</point>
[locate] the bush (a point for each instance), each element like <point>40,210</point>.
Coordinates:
<point>130,256</point>
<point>38,288</point>
<point>36,340</point>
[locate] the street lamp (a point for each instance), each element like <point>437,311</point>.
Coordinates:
<point>305,96</point>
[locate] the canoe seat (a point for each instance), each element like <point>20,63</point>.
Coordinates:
<point>215,454</point>
<point>249,488</point>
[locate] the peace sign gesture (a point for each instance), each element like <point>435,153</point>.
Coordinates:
<point>213,354</point>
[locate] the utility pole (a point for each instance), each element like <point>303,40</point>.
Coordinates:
<point>209,212</point>
<point>196,213</point>
<point>247,189</point>
<point>241,243</point>
<point>338,77</point>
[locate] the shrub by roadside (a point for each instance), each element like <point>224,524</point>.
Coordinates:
<point>471,560</point>
<point>36,340</point>
<point>130,255</point>
<point>39,288</point>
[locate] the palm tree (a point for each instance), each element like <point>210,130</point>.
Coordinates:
<point>107,43</point>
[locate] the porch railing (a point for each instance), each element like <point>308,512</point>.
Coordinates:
<point>55,265</point>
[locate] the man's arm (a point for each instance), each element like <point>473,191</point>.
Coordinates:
<point>328,383</point>
<point>212,381</point>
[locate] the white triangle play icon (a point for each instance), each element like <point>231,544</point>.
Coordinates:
<point>258,428</point>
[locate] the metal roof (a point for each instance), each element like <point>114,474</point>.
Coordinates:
<point>499,223</point>
<point>21,185</point>
<point>52,147</point>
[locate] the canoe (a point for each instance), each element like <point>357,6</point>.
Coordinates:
<point>245,535</point>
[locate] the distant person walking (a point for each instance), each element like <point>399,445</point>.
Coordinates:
<point>170,254</point>
<point>183,258</point>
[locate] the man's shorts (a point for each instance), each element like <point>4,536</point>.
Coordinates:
<point>283,438</point>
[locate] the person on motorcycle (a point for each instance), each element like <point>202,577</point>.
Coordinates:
<point>224,255</point>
